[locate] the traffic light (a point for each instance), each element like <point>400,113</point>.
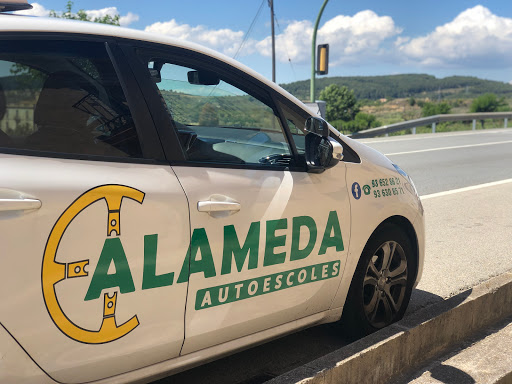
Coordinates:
<point>322,59</point>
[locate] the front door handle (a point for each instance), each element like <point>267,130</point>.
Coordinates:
<point>19,204</point>
<point>217,206</point>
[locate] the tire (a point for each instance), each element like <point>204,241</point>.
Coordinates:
<point>381,286</point>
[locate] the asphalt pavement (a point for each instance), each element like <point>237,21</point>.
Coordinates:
<point>444,161</point>
<point>468,226</point>
<point>465,180</point>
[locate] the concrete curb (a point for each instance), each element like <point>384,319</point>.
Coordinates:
<point>411,342</point>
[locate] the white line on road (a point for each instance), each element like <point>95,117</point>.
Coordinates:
<point>424,136</point>
<point>444,148</point>
<point>465,189</point>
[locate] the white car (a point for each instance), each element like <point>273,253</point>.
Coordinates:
<point>161,205</point>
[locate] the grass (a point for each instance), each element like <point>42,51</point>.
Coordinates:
<point>398,110</point>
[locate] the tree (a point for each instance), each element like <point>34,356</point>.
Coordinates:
<point>361,121</point>
<point>488,102</point>
<point>431,109</point>
<point>341,103</point>
<point>82,15</point>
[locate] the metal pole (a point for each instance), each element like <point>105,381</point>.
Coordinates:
<point>506,123</point>
<point>313,52</point>
<point>414,131</point>
<point>433,127</point>
<point>271,4</point>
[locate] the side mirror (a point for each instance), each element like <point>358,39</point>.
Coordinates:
<point>317,126</point>
<point>203,78</point>
<point>322,151</point>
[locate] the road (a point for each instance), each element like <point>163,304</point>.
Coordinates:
<point>445,161</point>
<point>468,229</point>
<point>468,241</point>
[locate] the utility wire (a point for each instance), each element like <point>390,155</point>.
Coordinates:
<point>249,30</point>
<point>285,47</point>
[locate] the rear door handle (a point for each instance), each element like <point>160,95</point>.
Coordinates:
<point>19,204</point>
<point>217,206</point>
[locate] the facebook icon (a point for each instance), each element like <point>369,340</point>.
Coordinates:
<point>356,191</point>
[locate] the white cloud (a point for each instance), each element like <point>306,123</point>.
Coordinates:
<point>350,38</point>
<point>112,11</point>
<point>476,37</point>
<point>37,10</point>
<point>128,19</point>
<point>224,40</point>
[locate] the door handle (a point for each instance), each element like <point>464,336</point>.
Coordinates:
<point>217,206</point>
<point>19,204</point>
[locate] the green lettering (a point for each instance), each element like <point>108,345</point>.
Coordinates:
<point>149,278</point>
<point>232,247</point>
<point>112,252</point>
<point>333,225</point>
<point>198,243</point>
<point>273,241</point>
<point>309,223</point>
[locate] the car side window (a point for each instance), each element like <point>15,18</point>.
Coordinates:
<point>63,97</point>
<point>296,122</point>
<point>218,121</point>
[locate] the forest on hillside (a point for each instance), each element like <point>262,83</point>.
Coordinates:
<point>401,86</point>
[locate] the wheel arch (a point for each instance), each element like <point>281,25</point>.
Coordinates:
<point>348,275</point>
<point>408,229</point>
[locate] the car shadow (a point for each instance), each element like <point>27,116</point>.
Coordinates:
<point>296,355</point>
<point>423,307</point>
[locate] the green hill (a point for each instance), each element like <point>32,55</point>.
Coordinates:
<point>400,86</point>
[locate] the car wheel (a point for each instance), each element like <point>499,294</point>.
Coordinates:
<point>382,284</point>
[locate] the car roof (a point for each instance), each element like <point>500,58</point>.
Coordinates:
<point>20,23</point>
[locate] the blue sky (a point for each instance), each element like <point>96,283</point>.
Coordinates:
<point>368,37</point>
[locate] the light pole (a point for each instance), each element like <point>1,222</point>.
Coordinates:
<point>313,53</point>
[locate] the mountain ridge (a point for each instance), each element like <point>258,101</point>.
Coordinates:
<point>404,85</point>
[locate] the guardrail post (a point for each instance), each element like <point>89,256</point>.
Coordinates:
<point>474,124</point>
<point>433,127</point>
<point>506,123</point>
<point>414,131</point>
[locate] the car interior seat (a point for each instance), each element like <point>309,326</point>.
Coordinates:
<point>61,115</point>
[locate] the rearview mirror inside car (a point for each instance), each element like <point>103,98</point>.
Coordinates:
<point>203,78</point>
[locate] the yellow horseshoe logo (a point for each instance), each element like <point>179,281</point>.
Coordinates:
<point>54,272</point>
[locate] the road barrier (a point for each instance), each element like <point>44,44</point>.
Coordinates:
<point>433,121</point>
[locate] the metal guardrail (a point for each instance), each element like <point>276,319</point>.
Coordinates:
<point>433,121</point>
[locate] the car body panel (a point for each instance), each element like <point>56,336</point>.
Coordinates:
<point>64,350</point>
<point>177,326</point>
<point>16,366</point>
<point>370,210</point>
<point>265,197</point>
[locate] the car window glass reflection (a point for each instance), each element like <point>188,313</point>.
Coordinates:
<point>64,97</point>
<point>218,122</point>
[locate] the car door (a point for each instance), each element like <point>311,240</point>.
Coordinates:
<point>268,239</point>
<point>94,224</point>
